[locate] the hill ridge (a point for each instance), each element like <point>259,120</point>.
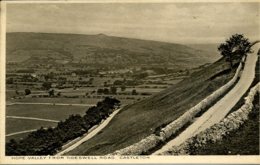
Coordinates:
<point>101,50</point>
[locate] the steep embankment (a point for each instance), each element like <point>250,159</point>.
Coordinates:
<point>139,120</point>
<point>101,49</point>
<point>241,136</point>
<point>238,133</point>
<point>219,110</point>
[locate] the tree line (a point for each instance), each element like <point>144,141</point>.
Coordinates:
<point>49,141</point>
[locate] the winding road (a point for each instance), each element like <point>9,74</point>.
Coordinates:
<point>89,135</point>
<point>219,110</point>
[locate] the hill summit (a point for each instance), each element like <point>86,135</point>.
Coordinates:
<point>101,50</point>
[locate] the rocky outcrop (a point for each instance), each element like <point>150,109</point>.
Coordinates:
<point>153,140</point>
<point>215,133</point>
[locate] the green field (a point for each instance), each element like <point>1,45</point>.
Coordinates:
<point>52,112</point>
<point>17,125</point>
<point>16,137</point>
<point>125,99</point>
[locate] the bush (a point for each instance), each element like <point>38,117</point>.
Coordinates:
<point>27,91</point>
<point>49,141</point>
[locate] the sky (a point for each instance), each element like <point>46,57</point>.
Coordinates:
<point>190,23</point>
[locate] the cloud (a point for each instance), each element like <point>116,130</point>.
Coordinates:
<point>173,22</point>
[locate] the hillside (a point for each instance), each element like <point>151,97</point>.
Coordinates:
<point>143,118</point>
<point>96,50</point>
<point>210,48</point>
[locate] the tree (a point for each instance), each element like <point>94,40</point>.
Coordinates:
<point>48,141</point>
<point>51,92</point>
<point>11,148</point>
<point>100,91</point>
<point>118,82</point>
<point>27,91</point>
<point>46,85</point>
<point>235,47</point>
<point>105,84</point>
<point>10,81</point>
<point>106,91</point>
<point>17,92</point>
<point>134,92</point>
<point>141,75</point>
<point>123,88</point>
<point>113,90</point>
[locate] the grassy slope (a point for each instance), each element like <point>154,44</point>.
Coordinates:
<point>139,120</point>
<point>102,49</point>
<point>245,140</point>
<point>212,48</point>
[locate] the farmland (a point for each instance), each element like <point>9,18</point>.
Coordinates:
<point>47,82</point>
<point>17,125</point>
<point>45,111</point>
<point>52,112</point>
<point>145,117</point>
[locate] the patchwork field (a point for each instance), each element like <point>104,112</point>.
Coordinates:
<point>27,113</point>
<point>139,120</point>
<point>19,125</point>
<point>33,116</point>
<point>52,112</point>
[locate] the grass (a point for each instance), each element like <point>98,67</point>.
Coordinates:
<point>139,120</point>
<point>38,111</point>
<point>59,100</point>
<point>16,137</point>
<point>54,112</point>
<point>244,141</point>
<point>102,50</point>
<point>125,99</point>
<point>17,125</point>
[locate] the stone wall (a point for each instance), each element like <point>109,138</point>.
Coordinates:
<point>215,133</point>
<point>152,141</point>
<point>141,147</point>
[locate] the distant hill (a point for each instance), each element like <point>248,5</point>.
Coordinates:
<point>101,49</point>
<point>210,48</point>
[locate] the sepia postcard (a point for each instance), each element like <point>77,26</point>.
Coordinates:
<point>129,82</point>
